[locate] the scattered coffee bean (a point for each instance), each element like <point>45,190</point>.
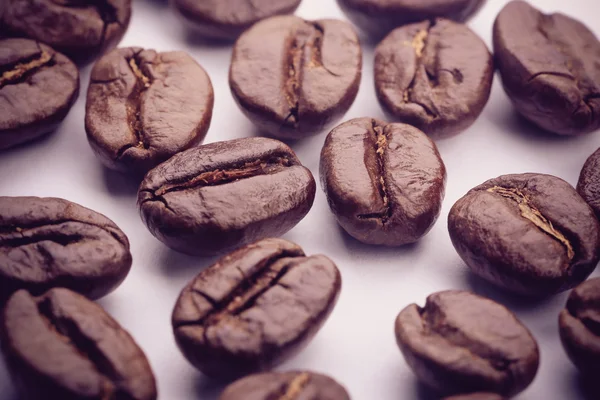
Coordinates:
<point>60,345</point>
<point>80,29</point>
<point>436,75</point>
<point>254,308</point>
<point>580,327</point>
<point>528,233</point>
<point>476,396</point>
<point>38,86</point>
<point>285,386</point>
<point>48,242</point>
<point>384,182</point>
<point>549,68</point>
<point>589,182</point>
<point>378,17</point>
<point>143,107</point>
<point>463,343</point>
<point>294,78</point>
<point>227,19</point>
<point>217,197</point>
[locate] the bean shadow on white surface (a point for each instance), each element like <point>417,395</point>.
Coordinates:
<point>7,390</point>
<point>209,389</point>
<point>174,264</point>
<point>120,184</point>
<point>354,246</point>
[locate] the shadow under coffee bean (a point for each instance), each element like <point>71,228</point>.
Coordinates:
<point>463,343</point>
<point>144,107</point>
<point>589,182</point>
<point>38,87</point>
<point>254,308</point>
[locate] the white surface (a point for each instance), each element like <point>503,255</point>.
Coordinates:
<point>357,345</point>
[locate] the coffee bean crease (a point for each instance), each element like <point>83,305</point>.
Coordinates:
<point>293,389</point>
<point>19,72</point>
<point>106,11</point>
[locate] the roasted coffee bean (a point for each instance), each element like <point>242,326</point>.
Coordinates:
<point>143,107</point>
<point>462,343</point>
<point>254,308</point>
<point>78,28</point>
<point>384,182</point>
<point>38,86</point>
<point>580,327</point>
<point>550,68</point>
<point>528,233</point>
<point>294,78</point>
<point>378,17</point>
<point>476,396</point>
<point>589,182</point>
<point>285,386</point>
<point>59,345</point>
<point>48,242</point>
<point>227,19</point>
<point>436,75</point>
<point>216,197</point>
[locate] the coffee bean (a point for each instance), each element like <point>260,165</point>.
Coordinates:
<point>549,68</point>
<point>216,197</point>
<point>292,77</point>
<point>254,308</point>
<point>384,182</point>
<point>38,86</point>
<point>59,345</point>
<point>48,242</point>
<point>476,396</point>
<point>436,75</point>
<point>143,107</point>
<point>589,182</point>
<point>462,343</point>
<point>528,233</point>
<point>285,386</point>
<point>226,20</point>
<point>580,327</point>
<point>378,17</point>
<point>80,29</point>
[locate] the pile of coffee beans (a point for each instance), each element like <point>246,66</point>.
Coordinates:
<point>259,304</point>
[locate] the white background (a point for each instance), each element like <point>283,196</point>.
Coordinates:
<point>356,345</point>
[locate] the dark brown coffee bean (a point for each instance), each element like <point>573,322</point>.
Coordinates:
<point>48,242</point>
<point>589,182</point>
<point>143,107</point>
<point>580,327</point>
<point>216,197</point>
<point>436,75</point>
<point>476,396</point>
<point>384,182</point>
<point>292,77</point>
<point>378,17</point>
<point>227,19</point>
<point>301,385</point>
<point>461,343</point>
<point>254,308</point>
<point>78,28</point>
<point>60,345</point>
<point>528,233</point>
<point>549,68</point>
<point>38,86</point>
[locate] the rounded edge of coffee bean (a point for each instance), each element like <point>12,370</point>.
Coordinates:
<point>436,350</point>
<point>579,327</point>
<point>37,61</point>
<point>453,92</point>
<point>376,21</point>
<point>541,84</point>
<point>230,212</point>
<point>588,185</point>
<point>531,234</point>
<point>61,345</point>
<point>372,206</point>
<point>200,23</point>
<point>129,119</point>
<point>47,228</point>
<point>254,308</point>
<point>289,385</point>
<point>317,89</point>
